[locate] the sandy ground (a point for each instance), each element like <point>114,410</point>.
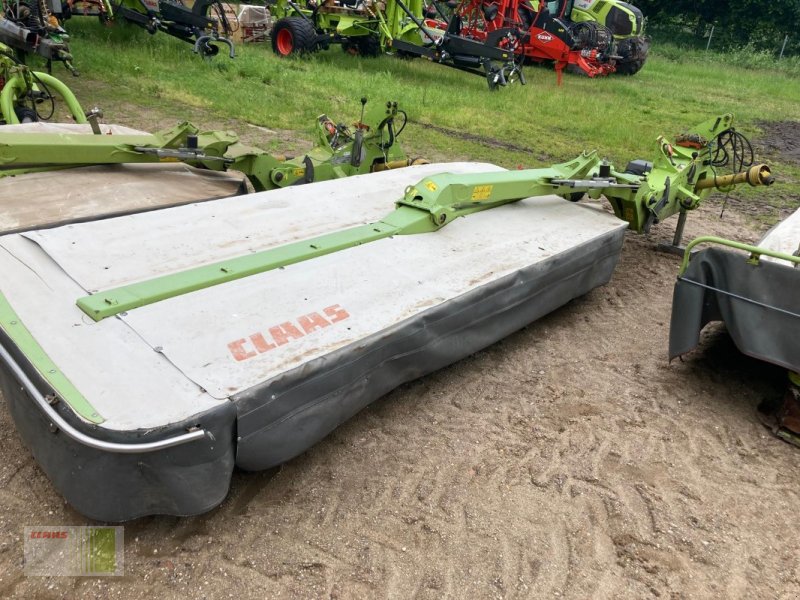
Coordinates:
<point>570,460</point>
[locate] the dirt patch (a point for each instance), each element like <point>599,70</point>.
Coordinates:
<point>781,139</point>
<point>483,140</point>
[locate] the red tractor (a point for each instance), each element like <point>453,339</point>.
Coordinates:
<point>590,37</point>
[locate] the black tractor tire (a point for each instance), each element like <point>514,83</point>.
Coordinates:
<point>634,53</point>
<point>349,46</point>
<point>292,36</point>
<point>630,67</point>
<point>368,46</point>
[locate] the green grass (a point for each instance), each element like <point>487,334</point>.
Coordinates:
<point>619,116</point>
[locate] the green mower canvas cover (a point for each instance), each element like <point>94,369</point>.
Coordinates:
<point>147,410</point>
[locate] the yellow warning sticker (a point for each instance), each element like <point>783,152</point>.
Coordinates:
<point>481,192</point>
<point>431,186</point>
<point>299,172</point>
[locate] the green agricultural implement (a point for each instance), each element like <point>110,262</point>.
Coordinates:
<point>626,24</point>
<point>363,28</point>
<point>683,172</point>
<point>23,91</point>
<point>341,151</point>
<point>163,344</point>
<point>204,24</point>
<point>26,30</point>
<point>367,27</point>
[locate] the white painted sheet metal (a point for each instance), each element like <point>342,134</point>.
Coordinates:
<point>231,337</point>
<point>100,255</point>
<point>129,384</point>
<point>784,237</point>
<point>50,198</point>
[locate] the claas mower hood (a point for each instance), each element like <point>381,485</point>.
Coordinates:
<point>252,371</point>
<point>145,356</point>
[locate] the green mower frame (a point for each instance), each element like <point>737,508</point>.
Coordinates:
<point>644,193</point>
<point>341,151</point>
<point>364,28</point>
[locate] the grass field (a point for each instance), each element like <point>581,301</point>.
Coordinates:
<point>532,125</point>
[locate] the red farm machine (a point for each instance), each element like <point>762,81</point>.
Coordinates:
<point>589,37</point>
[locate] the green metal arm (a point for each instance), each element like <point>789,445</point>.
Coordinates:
<point>36,150</point>
<point>755,252</point>
<point>17,85</point>
<point>446,196</point>
<point>428,206</point>
<point>425,208</point>
<point>214,150</point>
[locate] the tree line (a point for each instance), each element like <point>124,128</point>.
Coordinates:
<point>761,23</point>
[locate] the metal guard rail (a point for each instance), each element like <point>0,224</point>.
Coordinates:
<point>82,438</point>
<point>755,251</point>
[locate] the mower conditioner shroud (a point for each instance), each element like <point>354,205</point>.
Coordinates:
<point>169,397</point>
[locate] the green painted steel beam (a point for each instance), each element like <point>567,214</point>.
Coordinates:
<point>18,150</point>
<point>68,149</point>
<point>22,338</point>
<point>215,150</point>
<point>121,299</point>
<point>425,208</point>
